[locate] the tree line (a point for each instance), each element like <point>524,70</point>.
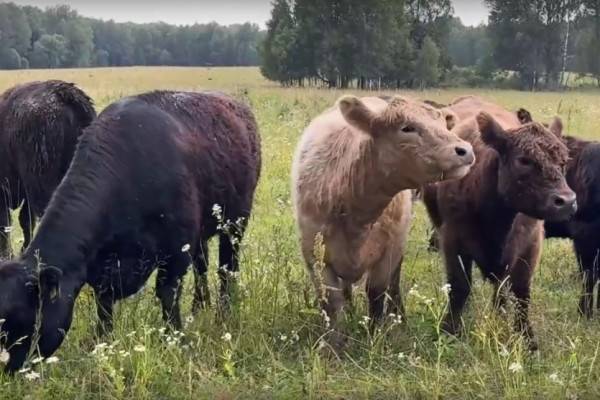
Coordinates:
<point>420,43</point>
<point>58,37</point>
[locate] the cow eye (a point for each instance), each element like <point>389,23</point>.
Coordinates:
<point>408,129</point>
<point>524,161</point>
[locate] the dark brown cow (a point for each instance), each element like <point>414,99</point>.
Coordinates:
<point>139,195</point>
<point>491,216</point>
<point>39,126</point>
<point>583,228</point>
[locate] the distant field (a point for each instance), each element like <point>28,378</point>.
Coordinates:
<point>275,330</point>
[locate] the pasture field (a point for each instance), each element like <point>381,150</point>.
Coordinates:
<point>270,346</point>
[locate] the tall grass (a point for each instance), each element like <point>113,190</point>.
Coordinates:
<point>269,347</point>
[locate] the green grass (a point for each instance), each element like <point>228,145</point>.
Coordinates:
<point>275,330</point>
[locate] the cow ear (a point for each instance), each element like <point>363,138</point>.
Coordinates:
<point>492,133</point>
<point>356,113</point>
<point>556,127</point>
<point>50,278</point>
<point>451,118</point>
<point>524,116</point>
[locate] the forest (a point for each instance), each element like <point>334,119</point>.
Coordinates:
<point>529,45</point>
<point>367,44</point>
<point>58,37</point>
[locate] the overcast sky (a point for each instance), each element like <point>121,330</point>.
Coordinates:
<point>225,12</point>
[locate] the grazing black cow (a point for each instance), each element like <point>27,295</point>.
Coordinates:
<point>139,195</point>
<point>39,126</point>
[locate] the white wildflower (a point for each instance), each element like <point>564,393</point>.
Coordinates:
<point>555,378</point>
<point>283,337</point>
<point>216,210</point>
<point>226,337</point>
<point>52,360</point>
<point>32,376</point>
<point>401,356</point>
<point>4,356</point>
<point>130,334</point>
<point>139,348</point>
<point>7,229</point>
<point>24,370</point>
<point>189,319</point>
<point>396,319</point>
<point>37,360</point>
<point>186,247</point>
<point>295,337</point>
<point>124,353</point>
<point>364,321</point>
<point>326,318</point>
<point>428,302</point>
<point>446,289</point>
<point>515,367</point>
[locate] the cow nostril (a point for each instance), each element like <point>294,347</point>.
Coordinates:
<point>461,151</point>
<point>559,201</point>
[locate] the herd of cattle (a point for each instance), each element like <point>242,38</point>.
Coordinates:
<point>146,183</point>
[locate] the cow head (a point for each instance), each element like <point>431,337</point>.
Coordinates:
<point>532,162</point>
<point>34,311</point>
<point>413,142</point>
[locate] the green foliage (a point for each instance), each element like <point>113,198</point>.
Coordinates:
<point>11,59</point>
<point>50,51</point>
<point>59,37</point>
<point>427,71</point>
<point>338,43</point>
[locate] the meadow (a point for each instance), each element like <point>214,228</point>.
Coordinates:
<point>270,347</point>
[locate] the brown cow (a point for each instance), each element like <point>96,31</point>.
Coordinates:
<point>492,215</point>
<point>351,175</point>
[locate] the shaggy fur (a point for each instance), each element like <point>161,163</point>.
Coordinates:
<point>488,217</point>
<point>139,195</point>
<point>351,175</point>
<point>583,228</point>
<point>39,126</point>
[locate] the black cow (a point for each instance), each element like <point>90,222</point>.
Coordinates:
<point>39,126</point>
<point>139,195</point>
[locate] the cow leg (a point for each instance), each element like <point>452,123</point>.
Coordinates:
<point>27,222</point>
<point>5,227</point>
<point>347,292</point>
<point>521,274</point>
<point>587,257</point>
<point>458,271</point>
<point>201,292</point>
<point>104,308</point>
<point>331,297</point>
<point>396,305</point>
<point>229,247</point>
<point>168,290</point>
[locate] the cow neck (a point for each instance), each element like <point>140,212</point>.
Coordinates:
<point>369,204</point>
<point>76,220</point>
<point>496,213</point>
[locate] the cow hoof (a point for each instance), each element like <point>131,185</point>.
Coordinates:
<point>532,345</point>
